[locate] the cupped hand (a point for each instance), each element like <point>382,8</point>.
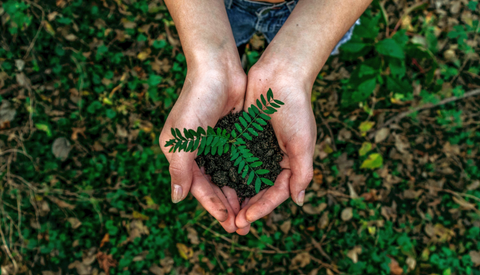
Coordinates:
<point>295,128</point>
<point>207,96</point>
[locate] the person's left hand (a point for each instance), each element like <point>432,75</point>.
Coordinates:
<point>295,128</point>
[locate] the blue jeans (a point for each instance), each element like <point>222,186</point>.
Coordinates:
<point>248,17</point>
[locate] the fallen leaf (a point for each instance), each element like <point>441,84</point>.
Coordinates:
<point>373,161</point>
<point>185,251</point>
<point>74,222</point>
<point>464,205</point>
<point>366,147</point>
<point>49,28</point>
<point>475,256</point>
<point>395,268</point>
<point>106,239</point>
<point>61,203</point>
<point>314,210</point>
<point>193,236</point>
<point>77,131</point>
<point>411,263</point>
<point>7,113</point>
<point>140,216</point>
<point>61,148</point>
<point>137,229</point>
<point>285,227</point>
<point>324,220</point>
<point>381,135</point>
<point>353,253</point>
<point>155,269</point>
<point>300,260</point>
<point>401,143</point>
<point>347,214</point>
<point>106,262</point>
<point>365,127</point>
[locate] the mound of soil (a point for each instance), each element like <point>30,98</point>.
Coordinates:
<point>221,169</point>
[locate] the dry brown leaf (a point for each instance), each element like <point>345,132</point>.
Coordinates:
<point>106,262</point>
<point>347,214</point>
<point>353,253</point>
<point>301,260</point>
<point>475,256</point>
<point>74,222</point>
<point>395,268</point>
<point>61,148</point>
<point>401,142</point>
<point>464,205</point>
<point>7,113</point>
<point>411,263</point>
<point>381,135</point>
<point>314,210</point>
<point>193,236</point>
<point>285,227</point>
<point>61,203</point>
<point>324,220</point>
<point>106,239</point>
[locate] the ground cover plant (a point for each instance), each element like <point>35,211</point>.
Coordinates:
<point>85,87</point>
<point>223,140</point>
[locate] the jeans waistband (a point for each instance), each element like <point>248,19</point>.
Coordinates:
<point>261,6</point>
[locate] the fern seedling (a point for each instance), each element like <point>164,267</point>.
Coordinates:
<point>221,141</point>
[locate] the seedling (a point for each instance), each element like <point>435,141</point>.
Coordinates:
<point>223,142</point>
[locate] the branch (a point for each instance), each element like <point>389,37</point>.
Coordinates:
<point>429,106</point>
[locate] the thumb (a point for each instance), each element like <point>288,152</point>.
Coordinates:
<point>181,170</point>
<point>301,165</point>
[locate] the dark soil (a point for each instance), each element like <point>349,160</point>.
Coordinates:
<point>221,169</point>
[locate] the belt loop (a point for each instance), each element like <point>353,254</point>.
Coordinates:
<point>291,5</point>
<point>228,4</point>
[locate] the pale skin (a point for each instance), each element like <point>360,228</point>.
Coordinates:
<point>216,84</point>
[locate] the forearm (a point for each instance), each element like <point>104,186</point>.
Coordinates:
<point>204,31</point>
<point>311,32</point>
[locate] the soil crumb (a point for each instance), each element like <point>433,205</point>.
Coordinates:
<point>222,171</point>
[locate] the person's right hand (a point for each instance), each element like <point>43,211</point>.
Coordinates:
<point>209,93</point>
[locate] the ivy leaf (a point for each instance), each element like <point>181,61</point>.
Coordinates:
<point>373,161</point>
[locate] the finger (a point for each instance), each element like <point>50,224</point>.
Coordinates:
<point>243,231</point>
<point>274,196</point>
<point>232,198</point>
<point>241,220</point>
<point>301,165</point>
<point>180,166</point>
<point>203,191</point>
<point>229,224</point>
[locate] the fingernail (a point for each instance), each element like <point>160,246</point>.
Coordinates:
<point>301,198</point>
<point>177,193</point>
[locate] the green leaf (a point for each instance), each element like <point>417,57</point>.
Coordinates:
<point>259,105</point>
<point>373,161</point>
<point>274,105</point>
<point>200,131</point>
<point>220,150</point>
<point>258,184</point>
<point>173,133</point>
<point>210,131</point>
<point>250,177</point>
<point>366,147</point>
<point>252,132</point>
<point>219,132</point>
<point>267,181</point>
<point>245,171</point>
<point>261,121</point>
<point>256,164</point>
<point>264,116</point>
<point>252,159</point>
<point>269,94</point>
<point>226,147</point>
<point>240,166</point>
<point>262,171</point>
<point>170,142</point>
<point>187,134</point>
<point>263,100</point>
<point>247,136</point>
<point>255,109</point>
<point>237,162</point>
<point>207,150</point>
<point>192,132</point>
<point>247,117</point>
<point>238,127</point>
<point>257,126</point>
<point>244,123</point>
<point>209,140</point>
<point>45,128</point>
<point>268,111</point>
<point>195,145</point>
<point>279,102</point>
<point>179,135</point>
<point>390,47</point>
<point>366,126</point>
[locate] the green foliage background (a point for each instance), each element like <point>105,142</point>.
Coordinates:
<point>85,87</point>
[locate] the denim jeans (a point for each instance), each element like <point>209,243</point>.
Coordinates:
<point>248,17</point>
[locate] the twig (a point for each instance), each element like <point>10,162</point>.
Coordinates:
<point>407,11</point>
<point>7,250</point>
<point>330,132</point>
<point>38,31</point>
<point>429,106</point>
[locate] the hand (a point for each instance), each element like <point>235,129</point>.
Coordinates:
<point>295,128</point>
<point>206,96</point>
